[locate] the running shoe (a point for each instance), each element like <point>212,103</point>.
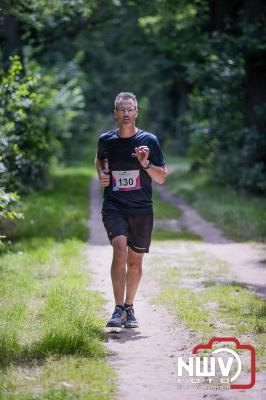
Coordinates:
<point>130,321</point>
<point>117,319</point>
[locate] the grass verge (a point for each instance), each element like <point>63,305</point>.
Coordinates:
<point>60,211</point>
<point>182,234</point>
<point>196,291</point>
<point>50,330</point>
<point>163,209</point>
<point>241,215</point>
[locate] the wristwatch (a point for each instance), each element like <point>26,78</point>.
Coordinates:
<point>148,165</point>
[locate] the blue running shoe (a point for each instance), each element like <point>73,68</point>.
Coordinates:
<point>117,319</point>
<point>130,321</point>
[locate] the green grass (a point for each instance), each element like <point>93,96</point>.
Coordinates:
<point>241,215</point>
<point>163,209</point>
<point>60,211</point>
<point>182,234</point>
<point>50,326</point>
<point>238,313</point>
<point>64,378</point>
<point>212,306</point>
<point>183,162</point>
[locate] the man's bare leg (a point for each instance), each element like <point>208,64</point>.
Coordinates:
<point>118,268</point>
<point>134,272</point>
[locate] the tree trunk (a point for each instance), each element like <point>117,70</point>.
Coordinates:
<point>220,10</point>
<point>12,42</point>
<point>255,76</point>
<point>182,108</point>
<point>255,89</point>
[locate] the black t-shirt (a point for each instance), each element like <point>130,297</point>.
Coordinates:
<point>130,189</point>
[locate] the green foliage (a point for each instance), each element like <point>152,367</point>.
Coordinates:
<point>46,14</point>
<point>66,116</point>
<point>205,55</point>
<point>7,205</point>
<point>218,138</point>
<point>215,118</point>
<point>187,61</point>
<point>38,115</point>
<point>252,174</point>
<point>26,143</point>
<point>64,203</point>
<point>7,200</point>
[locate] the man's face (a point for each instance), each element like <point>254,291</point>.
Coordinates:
<point>126,113</point>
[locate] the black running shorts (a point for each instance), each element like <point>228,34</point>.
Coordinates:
<point>137,228</point>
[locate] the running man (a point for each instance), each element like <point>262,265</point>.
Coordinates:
<point>127,160</point>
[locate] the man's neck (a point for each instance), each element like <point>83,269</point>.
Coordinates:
<point>125,132</point>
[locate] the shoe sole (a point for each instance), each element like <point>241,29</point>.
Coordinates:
<point>114,325</point>
<point>129,326</point>
<point>113,329</point>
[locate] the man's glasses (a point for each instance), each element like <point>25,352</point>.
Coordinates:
<point>124,110</point>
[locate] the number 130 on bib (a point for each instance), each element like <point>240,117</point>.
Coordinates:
<point>126,180</point>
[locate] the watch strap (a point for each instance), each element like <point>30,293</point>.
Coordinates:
<point>147,166</point>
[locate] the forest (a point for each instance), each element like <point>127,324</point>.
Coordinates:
<point>198,68</point>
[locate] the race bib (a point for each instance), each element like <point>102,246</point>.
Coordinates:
<point>126,180</point>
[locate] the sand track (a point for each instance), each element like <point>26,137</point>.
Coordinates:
<point>146,358</point>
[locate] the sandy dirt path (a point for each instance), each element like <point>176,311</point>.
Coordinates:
<point>243,259</point>
<point>146,358</point>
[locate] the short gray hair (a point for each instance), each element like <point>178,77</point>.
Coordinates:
<point>126,96</point>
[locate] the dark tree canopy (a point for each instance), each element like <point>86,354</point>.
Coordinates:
<point>197,67</point>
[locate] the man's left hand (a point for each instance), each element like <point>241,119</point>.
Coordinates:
<point>142,153</point>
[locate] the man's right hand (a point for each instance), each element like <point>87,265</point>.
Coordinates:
<point>104,177</point>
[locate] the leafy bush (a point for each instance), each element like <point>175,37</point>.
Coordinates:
<point>67,120</point>
<point>26,143</point>
<point>219,139</point>
<point>7,202</point>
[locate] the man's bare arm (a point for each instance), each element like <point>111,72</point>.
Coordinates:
<point>158,174</point>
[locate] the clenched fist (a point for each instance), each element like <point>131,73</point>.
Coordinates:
<point>104,177</point>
